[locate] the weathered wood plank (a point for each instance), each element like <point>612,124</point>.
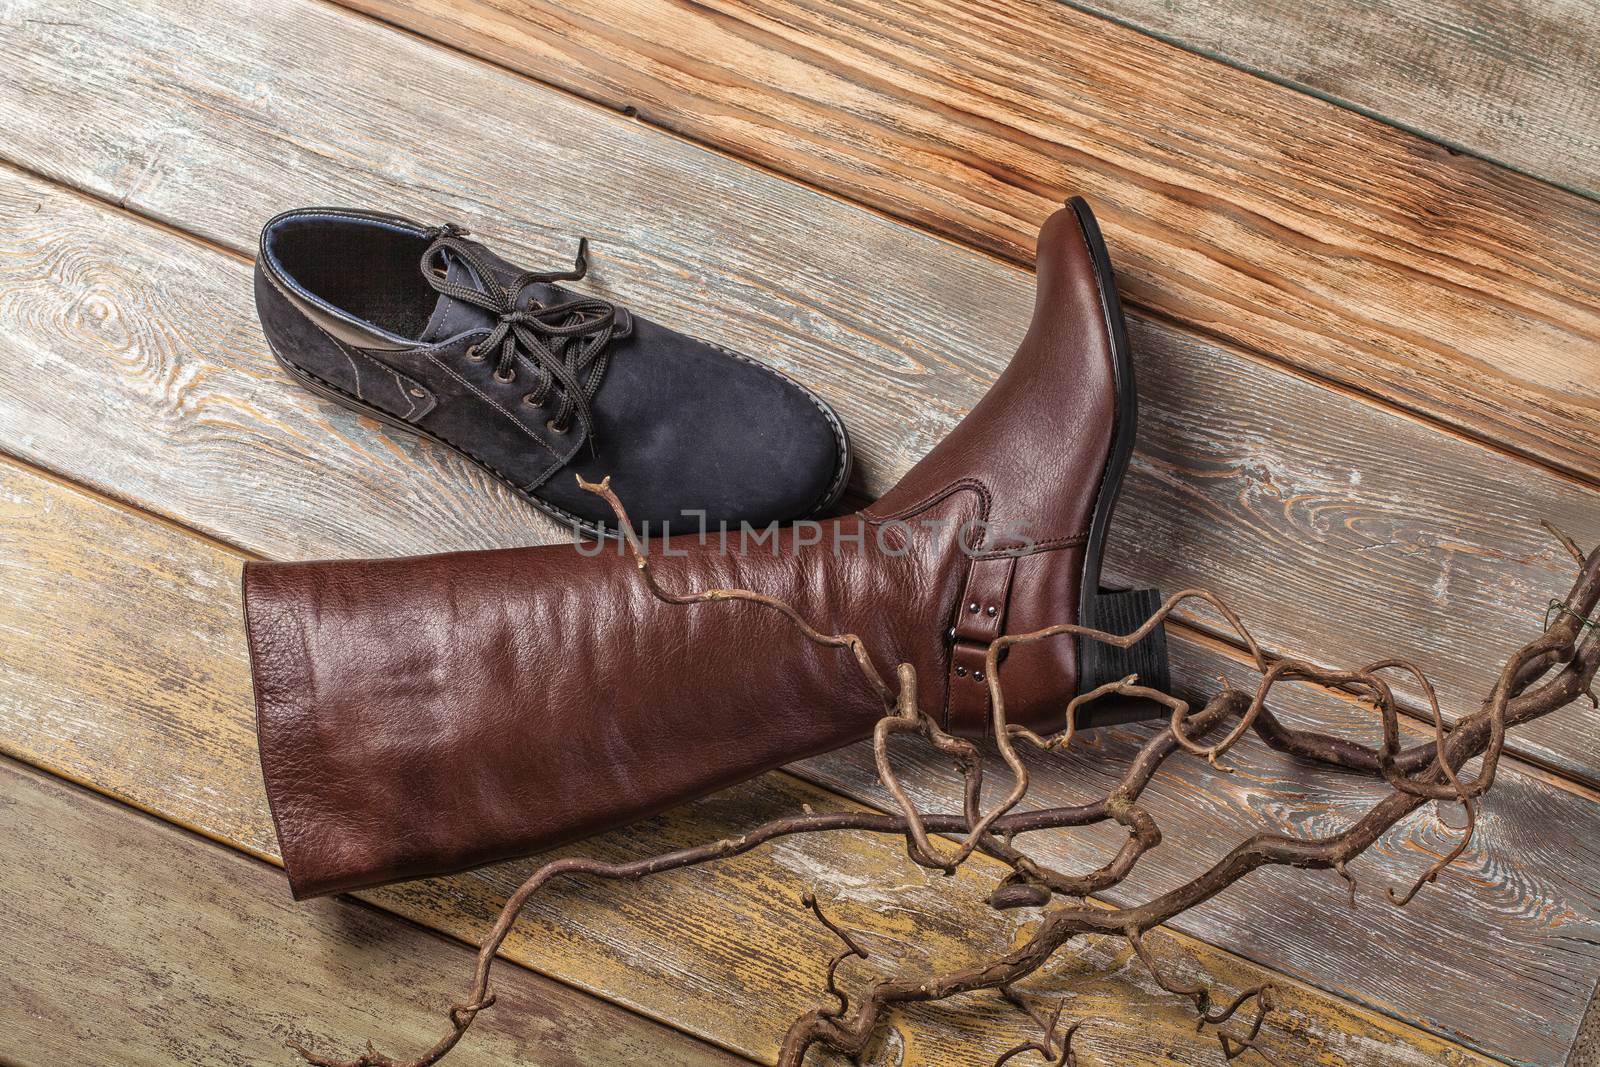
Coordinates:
<point>154,709</point>
<point>1300,504</point>
<point>128,942</point>
<point>1246,210</point>
<point>1505,79</point>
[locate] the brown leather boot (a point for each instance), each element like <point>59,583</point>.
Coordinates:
<point>421,716</point>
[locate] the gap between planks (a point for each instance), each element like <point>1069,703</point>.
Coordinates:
<point>1128,16</point>
<point>1525,765</point>
<point>1345,389</point>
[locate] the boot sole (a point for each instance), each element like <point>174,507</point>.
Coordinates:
<point>338,396</point>
<point>1114,610</point>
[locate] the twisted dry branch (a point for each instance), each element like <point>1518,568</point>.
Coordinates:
<point>1549,673</point>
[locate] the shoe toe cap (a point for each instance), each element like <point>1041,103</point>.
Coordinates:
<point>712,433</point>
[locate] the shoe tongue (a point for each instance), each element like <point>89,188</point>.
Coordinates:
<point>451,316</point>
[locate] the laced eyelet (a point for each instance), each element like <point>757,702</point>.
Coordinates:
<point>550,424</point>
<point>510,376</point>
<point>474,355</point>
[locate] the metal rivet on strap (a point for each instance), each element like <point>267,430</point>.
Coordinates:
<point>977,676</point>
<point>961,672</point>
<point>991,611</point>
<point>418,393</point>
<point>973,607</point>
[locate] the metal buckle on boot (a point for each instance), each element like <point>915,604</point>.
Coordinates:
<point>980,618</point>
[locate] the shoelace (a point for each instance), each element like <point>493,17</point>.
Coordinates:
<point>569,342</point>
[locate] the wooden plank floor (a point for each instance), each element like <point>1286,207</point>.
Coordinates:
<point>1369,366</point>
<point>225,377</point>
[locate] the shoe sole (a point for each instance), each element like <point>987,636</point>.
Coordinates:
<point>1115,611</point>
<point>333,393</point>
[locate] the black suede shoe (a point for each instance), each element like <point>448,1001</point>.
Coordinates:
<point>428,331</point>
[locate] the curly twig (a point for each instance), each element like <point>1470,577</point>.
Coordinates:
<point>1044,1046</point>
<point>830,984</point>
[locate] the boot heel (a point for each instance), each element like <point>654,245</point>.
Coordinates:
<point>1122,611</point>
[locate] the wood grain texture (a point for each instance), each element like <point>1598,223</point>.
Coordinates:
<point>1279,494</point>
<point>1244,210</point>
<point>124,941</point>
<point>155,711</point>
<point>1511,80</point>
<point>192,421</point>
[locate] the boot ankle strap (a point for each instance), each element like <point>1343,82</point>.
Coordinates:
<point>980,618</point>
